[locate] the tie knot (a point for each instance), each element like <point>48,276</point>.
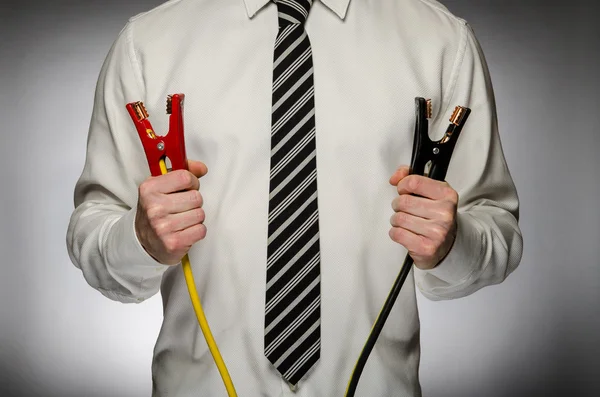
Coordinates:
<point>292,11</point>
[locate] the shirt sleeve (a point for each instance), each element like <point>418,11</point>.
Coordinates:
<point>101,238</point>
<point>489,244</point>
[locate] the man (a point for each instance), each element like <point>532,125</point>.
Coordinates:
<point>304,114</point>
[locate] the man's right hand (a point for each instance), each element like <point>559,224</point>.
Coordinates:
<point>170,217</point>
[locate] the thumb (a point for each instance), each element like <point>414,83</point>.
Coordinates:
<point>197,168</point>
<point>401,173</point>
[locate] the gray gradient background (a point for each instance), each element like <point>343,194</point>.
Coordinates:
<point>538,333</point>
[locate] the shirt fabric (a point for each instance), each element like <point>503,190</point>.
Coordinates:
<point>371,59</point>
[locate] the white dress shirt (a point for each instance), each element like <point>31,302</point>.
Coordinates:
<point>371,59</point>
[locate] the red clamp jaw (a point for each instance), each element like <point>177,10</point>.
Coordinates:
<point>157,147</point>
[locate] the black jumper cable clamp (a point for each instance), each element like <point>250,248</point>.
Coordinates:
<point>431,159</point>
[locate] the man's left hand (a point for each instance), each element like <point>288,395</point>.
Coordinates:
<point>425,225</point>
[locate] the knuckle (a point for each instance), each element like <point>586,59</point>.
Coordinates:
<point>447,217</point>
<point>453,208</point>
<point>401,218</point>
<point>145,188</point>
<point>401,185</point>
<point>161,227</point>
<point>439,232</point>
<point>405,201</point>
<point>192,181</point>
<point>197,198</point>
<point>171,245</point>
<point>428,249</point>
<point>185,177</point>
<point>154,212</point>
<point>447,212</point>
<point>200,232</point>
<point>200,215</point>
<point>396,234</point>
<point>451,194</point>
<point>413,182</point>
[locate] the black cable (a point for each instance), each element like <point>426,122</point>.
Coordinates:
<point>379,323</point>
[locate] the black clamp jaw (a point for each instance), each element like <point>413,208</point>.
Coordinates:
<point>431,158</point>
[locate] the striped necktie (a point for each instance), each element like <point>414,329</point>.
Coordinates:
<point>293,301</point>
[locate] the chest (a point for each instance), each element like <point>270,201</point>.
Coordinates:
<point>366,76</point>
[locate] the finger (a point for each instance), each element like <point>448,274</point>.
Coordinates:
<point>192,235</point>
<point>420,206</point>
<point>400,174</point>
<point>184,201</point>
<point>411,241</point>
<point>184,220</point>
<point>425,187</point>
<point>412,223</point>
<point>197,168</point>
<point>176,181</point>
<point>423,227</point>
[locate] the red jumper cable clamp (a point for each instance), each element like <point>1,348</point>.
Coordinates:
<point>171,147</point>
<point>157,148</point>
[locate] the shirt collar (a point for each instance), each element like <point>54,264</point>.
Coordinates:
<point>338,6</point>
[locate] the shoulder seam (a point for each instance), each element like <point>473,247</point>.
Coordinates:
<point>443,10</point>
<point>159,7</point>
<point>135,65</point>
<point>459,58</point>
<point>458,62</point>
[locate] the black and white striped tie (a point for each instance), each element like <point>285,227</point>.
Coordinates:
<point>293,301</point>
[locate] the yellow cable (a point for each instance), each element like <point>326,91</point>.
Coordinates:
<point>195,298</point>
